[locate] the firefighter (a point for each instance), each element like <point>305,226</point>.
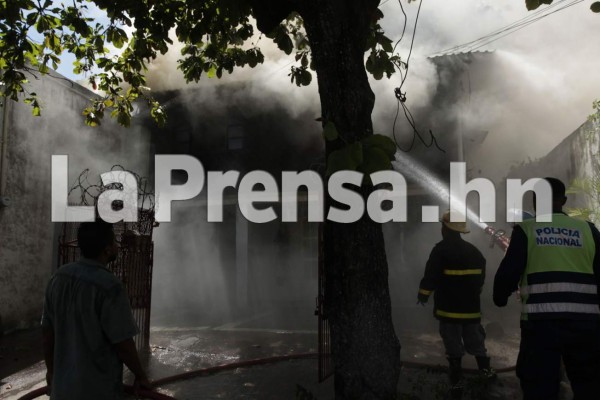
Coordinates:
<point>557,265</point>
<point>455,273</point>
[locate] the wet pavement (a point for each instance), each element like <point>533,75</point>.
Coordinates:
<point>180,345</point>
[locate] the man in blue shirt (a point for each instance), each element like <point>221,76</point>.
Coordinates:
<point>88,326</point>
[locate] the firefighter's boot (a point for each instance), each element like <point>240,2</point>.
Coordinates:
<point>484,368</point>
<point>456,381</point>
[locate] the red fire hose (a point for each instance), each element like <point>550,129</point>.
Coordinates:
<point>146,394</point>
<point>414,364</point>
<point>240,364</point>
<point>151,395</point>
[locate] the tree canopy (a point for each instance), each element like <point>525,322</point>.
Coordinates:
<point>217,36</point>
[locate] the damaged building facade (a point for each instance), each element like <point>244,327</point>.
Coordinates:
<point>205,273</point>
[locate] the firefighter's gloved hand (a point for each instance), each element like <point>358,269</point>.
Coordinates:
<point>422,299</point>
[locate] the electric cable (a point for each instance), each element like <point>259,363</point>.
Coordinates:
<point>524,25</point>
<point>510,28</point>
<point>401,96</point>
<point>528,17</point>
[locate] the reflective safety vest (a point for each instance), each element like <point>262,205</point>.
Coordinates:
<point>559,282</point>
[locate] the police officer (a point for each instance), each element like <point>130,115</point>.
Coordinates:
<point>557,266</point>
<point>455,273</point>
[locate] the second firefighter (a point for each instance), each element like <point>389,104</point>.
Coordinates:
<point>454,274</point>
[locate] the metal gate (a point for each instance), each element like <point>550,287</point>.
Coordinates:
<point>133,265</point>
<point>325,361</point>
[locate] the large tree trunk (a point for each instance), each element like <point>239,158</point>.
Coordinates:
<point>366,351</point>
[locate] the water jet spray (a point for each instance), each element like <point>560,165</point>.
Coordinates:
<point>420,173</point>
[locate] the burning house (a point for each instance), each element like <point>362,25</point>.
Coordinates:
<point>237,275</point>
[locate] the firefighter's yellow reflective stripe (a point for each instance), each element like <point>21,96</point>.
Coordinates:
<point>425,292</point>
<point>462,272</point>
<point>446,314</point>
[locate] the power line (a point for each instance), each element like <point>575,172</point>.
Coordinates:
<point>401,97</point>
<point>525,25</point>
<point>510,28</point>
<point>525,19</point>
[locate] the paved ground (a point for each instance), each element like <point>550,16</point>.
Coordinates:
<point>179,345</point>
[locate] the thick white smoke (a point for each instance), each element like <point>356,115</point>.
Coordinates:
<point>533,92</point>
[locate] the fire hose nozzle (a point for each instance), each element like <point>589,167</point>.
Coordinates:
<point>498,236</point>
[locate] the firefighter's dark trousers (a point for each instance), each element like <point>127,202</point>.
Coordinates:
<point>544,343</point>
<point>459,337</point>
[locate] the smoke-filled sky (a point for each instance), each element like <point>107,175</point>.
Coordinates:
<point>538,91</point>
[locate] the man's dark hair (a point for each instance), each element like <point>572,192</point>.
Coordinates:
<point>558,188</point>
<point>93,237</point>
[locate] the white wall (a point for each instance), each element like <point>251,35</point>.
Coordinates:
<point>27,235</point>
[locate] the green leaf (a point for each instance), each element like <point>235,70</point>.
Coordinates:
<point>116,36</point>
<point>212,72</point>
<point>379,63</point>
<point>31,18</point>
<point>381,142</point>
<point>533,4</point>
<point>386,43</point>
<point>330,132</point>
<point>306,77</point>
<point>123,118</point>
<point>375,159</point>
<point>348,157</point>
<point>356,153</point>
<point>282,39</point>
<point>158,114</point>
<point>378,73</point>
<point>42,24</point>
<point>339,160</point>
<point>595,7</point>
<point>301,76</point>
<point>91,119</point>
<point>304,61</point>
<point>252,61</point>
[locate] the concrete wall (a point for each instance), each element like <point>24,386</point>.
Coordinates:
<point>27,235</point>
<point>576,157</point>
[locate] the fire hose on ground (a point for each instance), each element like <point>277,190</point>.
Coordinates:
<point>152,395</point>
<point>498,237</point>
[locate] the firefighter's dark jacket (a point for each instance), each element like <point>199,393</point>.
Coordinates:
<point>455,273</point>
